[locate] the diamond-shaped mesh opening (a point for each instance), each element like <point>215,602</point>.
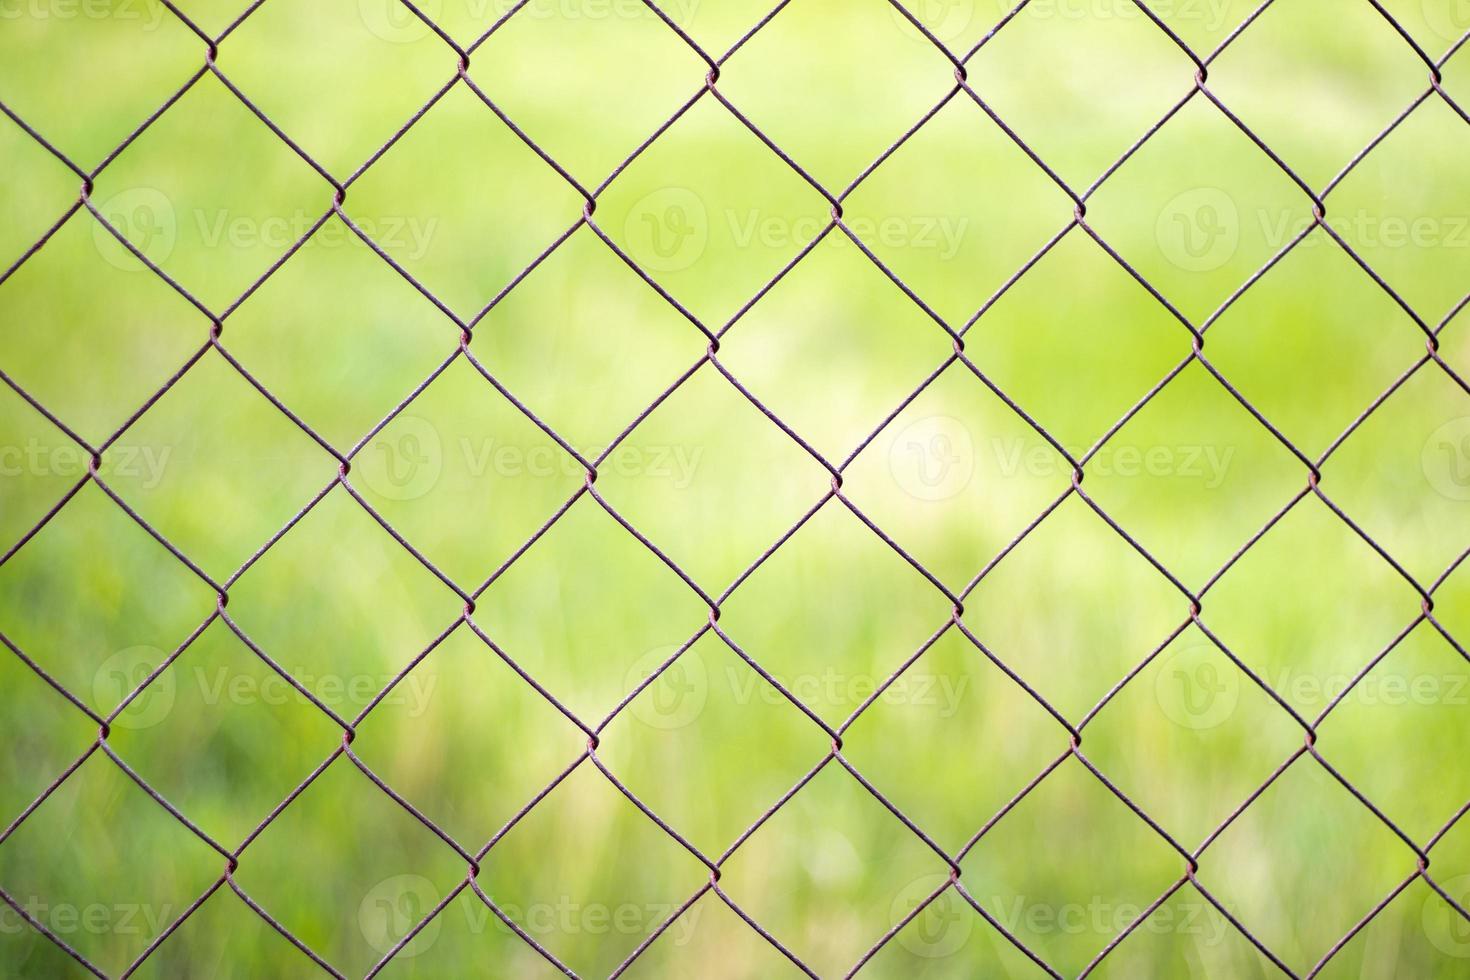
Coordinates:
<point>128,333</point>
<point>1069,917</point>
<point>1103,46</point>
<point>835,841</point>
<point>196,728</point>
<point>585,487</point>
<point>786,85</point>
<point>315,91</point>
<point>632,74</point>
<point>73,856</point>
<point>1341,100</point>
<point>132,56</point>
<point>588,918</point>
<point>1358,861</point>
<point>367,881</point>
<point>705,701</point>
<point>180,195</point>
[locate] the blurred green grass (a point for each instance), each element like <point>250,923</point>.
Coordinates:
<point>214,198</point>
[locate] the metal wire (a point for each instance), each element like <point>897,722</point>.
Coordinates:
<point>1069,733</point>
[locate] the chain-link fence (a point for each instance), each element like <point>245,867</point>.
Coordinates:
<point>948,893</point>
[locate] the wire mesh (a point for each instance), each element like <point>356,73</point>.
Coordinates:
<point>1069,731</point>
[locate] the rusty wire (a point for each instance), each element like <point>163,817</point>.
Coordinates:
<point>1070,733</point>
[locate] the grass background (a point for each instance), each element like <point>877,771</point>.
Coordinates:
<point>214,198</point>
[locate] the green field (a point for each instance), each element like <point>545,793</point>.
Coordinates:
<point>1324,614</point>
